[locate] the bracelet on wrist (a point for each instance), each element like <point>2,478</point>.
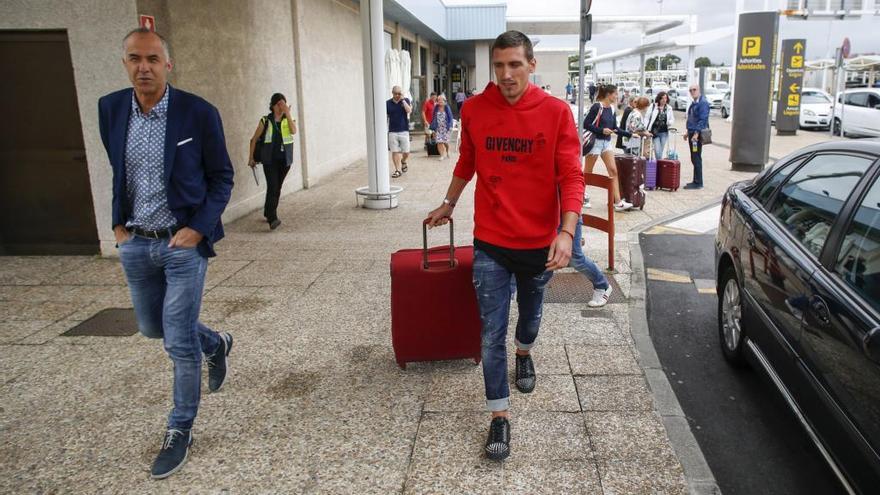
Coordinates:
<point>446,201</point>
<point>569,234</point>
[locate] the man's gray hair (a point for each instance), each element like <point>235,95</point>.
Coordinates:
<point>143,30</point>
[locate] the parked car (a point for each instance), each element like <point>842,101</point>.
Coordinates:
<point>815,109</point>
<point>861,117</point>
<point>721,86</point>
<point>725,105</point>
<point>797,256</point>
<point>680,86</point>
<point>680,99</point>
<point>714,96</point>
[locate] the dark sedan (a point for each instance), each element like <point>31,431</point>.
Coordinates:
<point>798,274</point>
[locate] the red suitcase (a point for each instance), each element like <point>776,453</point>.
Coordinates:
<point>434,313</point>
<point>668,174</point>
<point>631,179</point>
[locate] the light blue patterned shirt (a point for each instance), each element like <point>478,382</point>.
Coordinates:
<point>145,167</point>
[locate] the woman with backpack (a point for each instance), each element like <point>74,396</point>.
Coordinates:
<point>272,145</point>
<point>601,121</point>
<point>660,120</point>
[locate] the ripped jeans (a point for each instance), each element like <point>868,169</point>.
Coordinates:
<point>492,284</point>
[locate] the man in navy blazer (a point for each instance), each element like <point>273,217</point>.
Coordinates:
<point>172,179</point>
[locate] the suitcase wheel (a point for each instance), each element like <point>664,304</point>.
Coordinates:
<point>477,361</point>
<point>402,365</point>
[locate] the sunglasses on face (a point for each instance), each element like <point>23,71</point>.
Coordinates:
<point>693,90</point>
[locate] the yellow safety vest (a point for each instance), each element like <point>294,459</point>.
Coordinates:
<point>286,136</point>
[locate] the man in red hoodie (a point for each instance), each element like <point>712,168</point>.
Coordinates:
<point>522,144</point>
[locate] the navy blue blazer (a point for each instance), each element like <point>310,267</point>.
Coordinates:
<point>198,171</point>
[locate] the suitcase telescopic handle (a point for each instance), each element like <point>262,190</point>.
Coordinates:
<point>425,244</point>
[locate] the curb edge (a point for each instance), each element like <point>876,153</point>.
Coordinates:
<point>698,475</point>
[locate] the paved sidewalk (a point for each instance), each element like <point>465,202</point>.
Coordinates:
<point>315,402</point>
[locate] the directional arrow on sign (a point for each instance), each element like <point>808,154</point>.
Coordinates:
<point>794,88</point>
<point>798,47</point>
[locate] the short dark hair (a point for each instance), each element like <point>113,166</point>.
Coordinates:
<point>433,93</point>
<point>513,39</point>
<point>143,30</point>
<point>275,99</point>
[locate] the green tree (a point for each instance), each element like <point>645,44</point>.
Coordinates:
<point>703,62</point>
<point>666,61</point>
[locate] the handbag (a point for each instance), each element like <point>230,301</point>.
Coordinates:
<point>258,147</point>
<point>588,138</point>
<point>706,136</point>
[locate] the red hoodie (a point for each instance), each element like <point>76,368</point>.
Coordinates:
<point>527,160</point>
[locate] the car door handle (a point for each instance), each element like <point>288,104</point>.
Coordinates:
<point>820,309</point>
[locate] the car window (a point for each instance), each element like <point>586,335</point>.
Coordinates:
<point>857,99</point>
<point>810,200</point>
<point>873,100</point>
<point>814,98</point>
<point>763,194</point>
<point>858,261</point>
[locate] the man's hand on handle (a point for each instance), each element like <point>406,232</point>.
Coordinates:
<point>440,216</point>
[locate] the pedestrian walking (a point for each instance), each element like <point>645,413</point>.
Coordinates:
<point>601,120</point>
<point>629,103</point>
<point>569,89</point>
<point>697,122</point>
<point>398,109</point>
<point>588,268</point>
<point>172,178</point>
<point>592,91</point>
<point>660,120</point>
<point>522,145</point>
<point>441,124</point>
<point>275,133</point>
<point>636,125</point>
<point>460,98</point>
<point>428,113</point>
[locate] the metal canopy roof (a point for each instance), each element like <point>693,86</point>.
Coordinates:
<point>682,41</point>
<point>601,24</point>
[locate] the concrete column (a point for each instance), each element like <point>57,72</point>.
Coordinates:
<point>740,7</point>
<point>483,60</point>
<point>614,71</point>
<point>642,73</point>
<point>692,64</point>
<point>378,194</point>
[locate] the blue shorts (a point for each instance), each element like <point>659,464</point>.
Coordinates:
<point>600,146</point>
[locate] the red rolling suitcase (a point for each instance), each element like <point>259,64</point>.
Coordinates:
<point>669,169</point>
<point>434,313</point>
<point>668,174</point>
<point>631,179</point>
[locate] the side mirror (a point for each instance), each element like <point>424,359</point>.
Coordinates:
<point>876,107</point>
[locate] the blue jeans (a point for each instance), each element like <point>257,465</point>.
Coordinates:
<point>695,144</point>
<point>492,284</point>
<point>660,141</point>
<point>166,291</point>
<point>585,265</point>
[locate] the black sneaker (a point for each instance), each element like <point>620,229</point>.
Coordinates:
<point>217,363</point>
<point>498,443</point>
<point>172,457</point>
<point>274,224</point>
<point>525,374</point>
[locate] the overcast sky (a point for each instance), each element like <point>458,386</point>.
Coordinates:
<point>820,35</point>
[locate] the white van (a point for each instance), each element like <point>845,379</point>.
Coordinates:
<point>861,117</point>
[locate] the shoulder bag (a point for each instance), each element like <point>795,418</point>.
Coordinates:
<point>588,138</point>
